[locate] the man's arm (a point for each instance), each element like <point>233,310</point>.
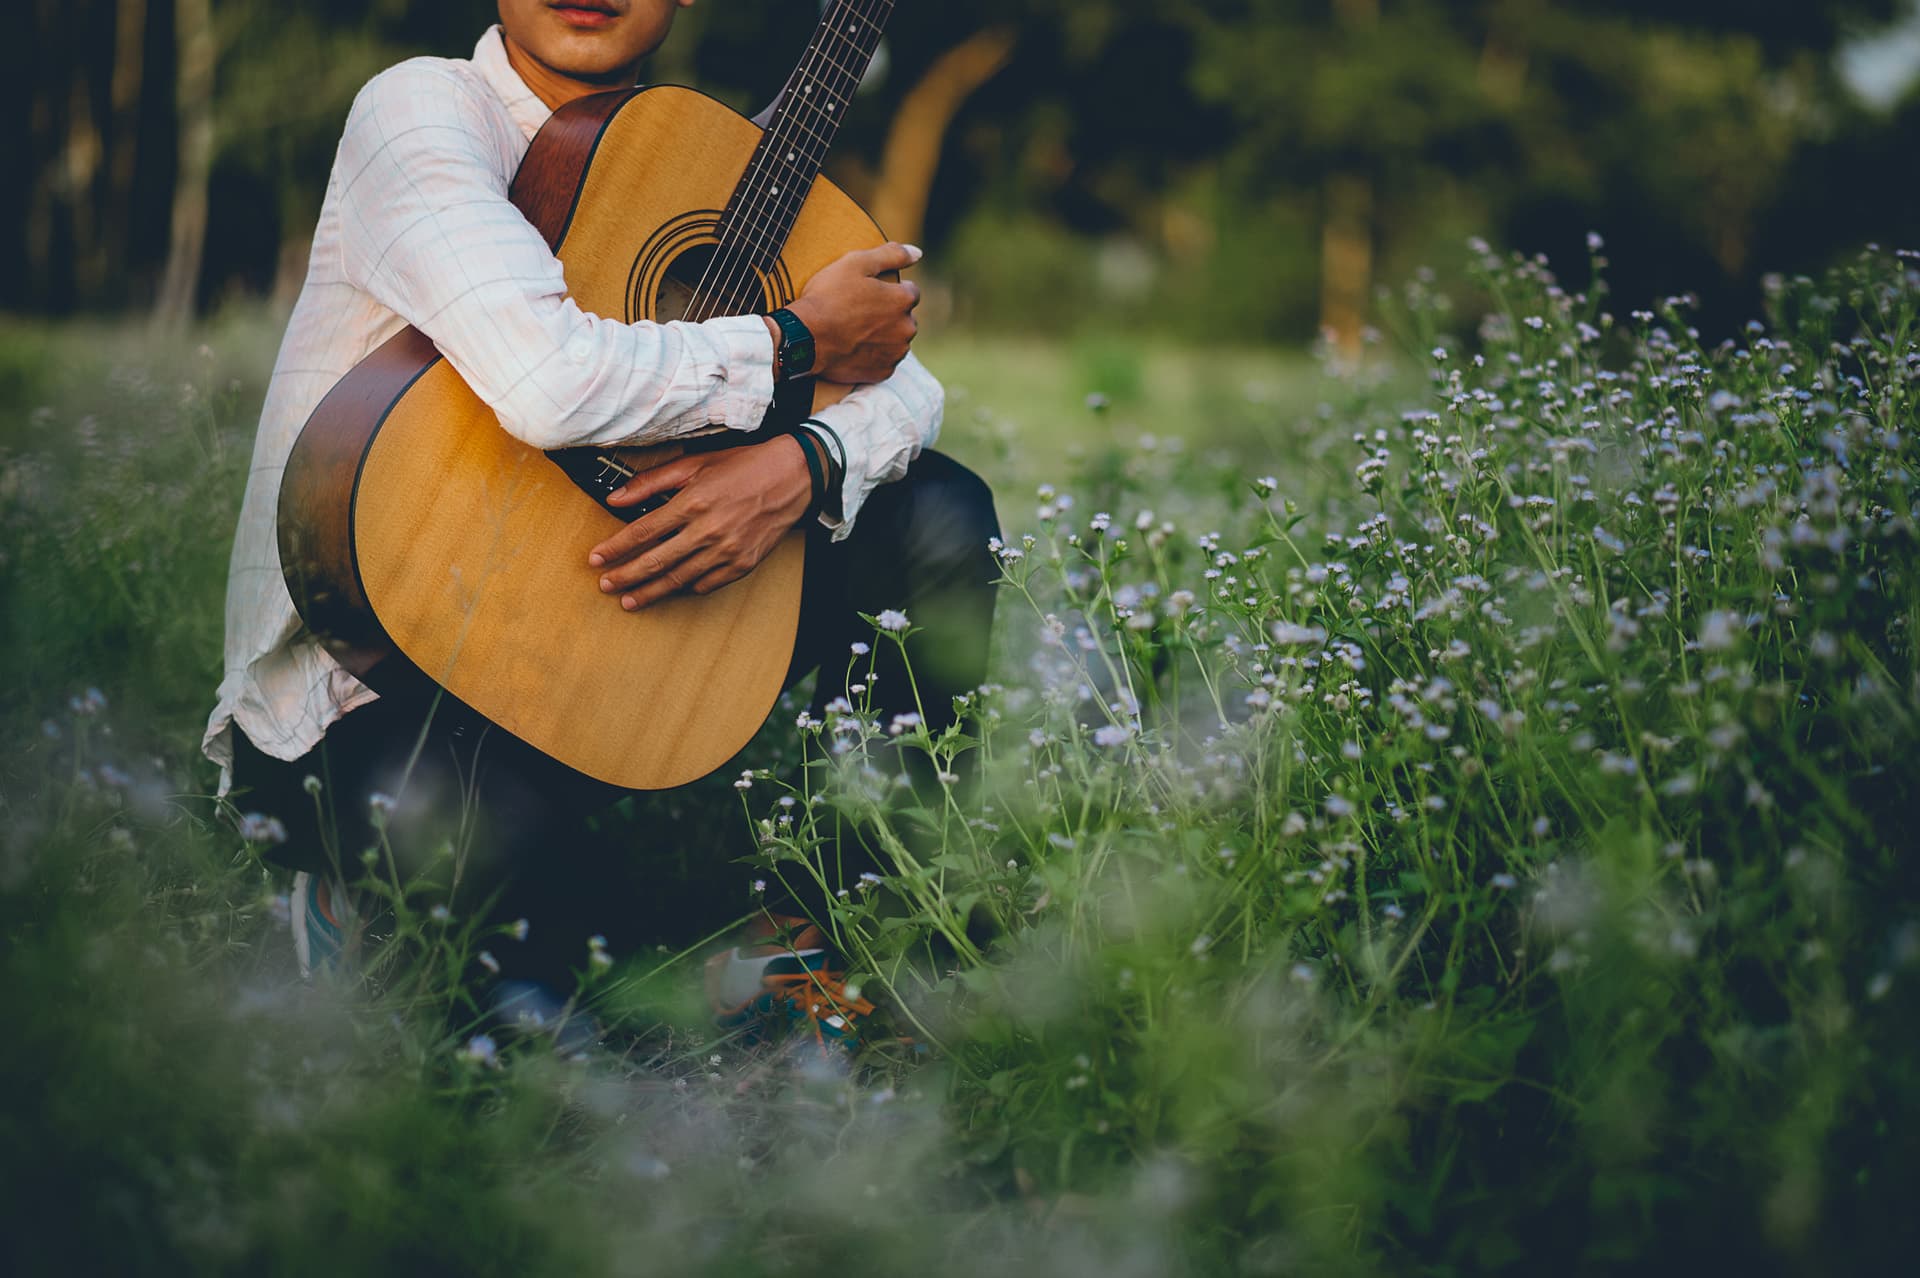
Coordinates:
<point>428,231</point>
<point>700,541</point>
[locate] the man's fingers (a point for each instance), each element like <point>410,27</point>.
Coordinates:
<point>660,559</point>
<point>671,581</point>
<point>913,293</point>
<point>655,524</point>
<point>887,257</point>
<point>635,537</point>
<point>725,575</point>
<point>651,483</point>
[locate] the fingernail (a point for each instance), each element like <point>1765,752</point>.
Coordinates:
<point>913,251</point>
<point>606,584</point>
<point>595,560</point>
<point>629,602</point>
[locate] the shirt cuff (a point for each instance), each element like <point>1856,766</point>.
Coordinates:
<point>745,352</point>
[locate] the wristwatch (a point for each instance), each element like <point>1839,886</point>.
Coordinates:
<point>795,355</point>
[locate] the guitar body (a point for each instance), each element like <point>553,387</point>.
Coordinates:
<point>418,537</point>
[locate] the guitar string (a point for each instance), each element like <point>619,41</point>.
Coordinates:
<point>755,229</point>
<point>762,232</point>
<point>726,262</point>
<point>755,224</point>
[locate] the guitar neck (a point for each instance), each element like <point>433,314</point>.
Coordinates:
<point>762,210</point>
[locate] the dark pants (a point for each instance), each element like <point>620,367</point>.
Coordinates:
<point>919,545</point>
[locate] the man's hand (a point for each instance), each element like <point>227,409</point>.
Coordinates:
<point>730,510</point>
<point>861,324</point>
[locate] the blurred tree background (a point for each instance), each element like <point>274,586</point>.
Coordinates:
<point>1248,169</point>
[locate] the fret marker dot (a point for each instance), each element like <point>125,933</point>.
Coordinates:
<point>791,157</point>
<point>831,105</point>
<point>776,190</point>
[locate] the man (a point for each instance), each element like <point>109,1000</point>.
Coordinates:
<point>417,229</point>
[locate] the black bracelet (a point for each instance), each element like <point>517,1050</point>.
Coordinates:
<point>833,434</point>
<point>814,470</point>
<point>836,471</point>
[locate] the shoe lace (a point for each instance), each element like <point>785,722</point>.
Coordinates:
<point>819,996</point>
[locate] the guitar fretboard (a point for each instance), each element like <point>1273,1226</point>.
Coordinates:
<point>762,210</point>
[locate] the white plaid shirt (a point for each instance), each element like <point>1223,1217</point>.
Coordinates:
<point>417,229</point>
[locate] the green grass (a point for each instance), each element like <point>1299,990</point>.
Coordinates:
<point>1028,405</point>
<point>1449,822</point>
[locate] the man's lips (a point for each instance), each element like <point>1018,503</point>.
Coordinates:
<point>585,13</point>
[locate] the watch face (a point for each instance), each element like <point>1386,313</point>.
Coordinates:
<point>798,356</point>
<point>796,344</point>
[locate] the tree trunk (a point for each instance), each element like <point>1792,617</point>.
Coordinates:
<point>194,53</point>
<point>1346,260</point>
<point>43,165</point>
<point>911,155</point>
<point>80,171</point>
<point>129,65</point>
<point>1346,229</point>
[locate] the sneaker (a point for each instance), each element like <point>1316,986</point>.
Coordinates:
<point>758,990</point>
<point>323,920</point>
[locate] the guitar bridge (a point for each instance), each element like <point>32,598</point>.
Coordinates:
<point>599,474</point>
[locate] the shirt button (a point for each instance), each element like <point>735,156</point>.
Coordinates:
<point>578,351</point>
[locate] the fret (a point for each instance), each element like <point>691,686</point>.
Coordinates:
<point>760,214</point>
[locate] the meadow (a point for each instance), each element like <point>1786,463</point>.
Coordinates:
<point>1452,815</point>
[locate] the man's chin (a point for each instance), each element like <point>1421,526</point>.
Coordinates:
<point>618,77</point>
<point>591,60</point>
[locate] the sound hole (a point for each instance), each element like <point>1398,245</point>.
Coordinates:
<point>694,288</point>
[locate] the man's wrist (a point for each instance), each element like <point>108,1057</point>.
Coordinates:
<point>807,477</point>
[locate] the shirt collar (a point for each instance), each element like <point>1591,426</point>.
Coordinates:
<point>490,57</point>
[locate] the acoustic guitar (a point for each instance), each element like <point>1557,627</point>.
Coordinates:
<point>417,537</point>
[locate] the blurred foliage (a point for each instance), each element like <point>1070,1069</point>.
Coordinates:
<point>1463,828</point>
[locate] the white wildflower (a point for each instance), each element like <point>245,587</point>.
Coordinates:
<point>1720,631</point>
<point>258,827</point>
<point>1289,635</point>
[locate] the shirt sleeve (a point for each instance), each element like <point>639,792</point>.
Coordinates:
<point>428,231</point>
<point>883,427</point>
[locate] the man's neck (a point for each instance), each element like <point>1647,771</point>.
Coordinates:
<point>555,88</point>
